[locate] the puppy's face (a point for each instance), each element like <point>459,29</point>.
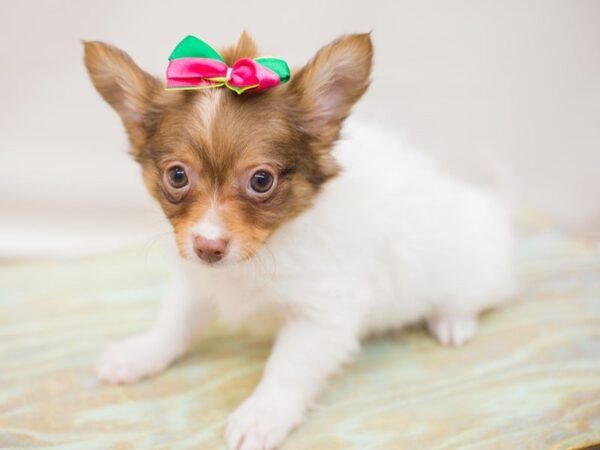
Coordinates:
<point>229,170</point>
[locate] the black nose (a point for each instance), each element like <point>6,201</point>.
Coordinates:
<point>210,250</point>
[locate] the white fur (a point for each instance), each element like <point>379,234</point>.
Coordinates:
<point>208,105</point>
<point>391,241</point>
<point>208,226</point>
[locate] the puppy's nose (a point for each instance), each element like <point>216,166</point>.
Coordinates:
<point>210,250</point>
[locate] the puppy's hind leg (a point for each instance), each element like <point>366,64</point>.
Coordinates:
<point>452,329</point>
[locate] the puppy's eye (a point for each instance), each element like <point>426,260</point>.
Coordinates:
<point>177,177</point>
<point>262,181</point>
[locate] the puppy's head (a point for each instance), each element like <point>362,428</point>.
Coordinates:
<point>229,169</point>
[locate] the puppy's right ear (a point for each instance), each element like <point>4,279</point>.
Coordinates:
<point>134,94</point>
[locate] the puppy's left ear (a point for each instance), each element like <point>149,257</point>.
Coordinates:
<point>331,83</point>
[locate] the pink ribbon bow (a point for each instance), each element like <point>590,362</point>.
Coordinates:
<point>194,64</point>
<point>196,73</point>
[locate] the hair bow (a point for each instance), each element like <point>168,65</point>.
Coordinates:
<point>196,65</point>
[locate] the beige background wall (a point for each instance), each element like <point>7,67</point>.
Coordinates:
<point>518,78</point>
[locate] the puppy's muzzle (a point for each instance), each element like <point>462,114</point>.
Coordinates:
<point>210,250</point>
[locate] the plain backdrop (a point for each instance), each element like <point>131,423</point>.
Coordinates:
<point>520,79</point>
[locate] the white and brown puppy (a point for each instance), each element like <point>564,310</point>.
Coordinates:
<point>284,228</point>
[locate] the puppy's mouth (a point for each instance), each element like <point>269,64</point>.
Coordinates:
<point>214,264</point>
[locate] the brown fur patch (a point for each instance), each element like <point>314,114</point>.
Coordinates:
<point>245,48</point>
<point>127,88</point>
<point>220,137</point>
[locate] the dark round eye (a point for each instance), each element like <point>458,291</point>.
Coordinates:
<point>261,181</point>
<point>177,177</point>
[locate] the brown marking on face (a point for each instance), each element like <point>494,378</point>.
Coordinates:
<point>220,138</point>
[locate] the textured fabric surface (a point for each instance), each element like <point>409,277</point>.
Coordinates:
<point>530,379</point>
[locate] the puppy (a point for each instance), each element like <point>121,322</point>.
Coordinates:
<point>290,222</point>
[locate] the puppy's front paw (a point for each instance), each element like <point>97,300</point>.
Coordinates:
<point>452,330</point>
<point>261,423</point>
<point>134,358</point>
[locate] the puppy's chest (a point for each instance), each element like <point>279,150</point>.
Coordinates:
<point>249,301</point>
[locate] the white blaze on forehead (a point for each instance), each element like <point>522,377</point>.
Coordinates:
<point>209,225</point>
<point>207,106</point>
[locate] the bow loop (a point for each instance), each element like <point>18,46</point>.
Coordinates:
<point>196,65</point>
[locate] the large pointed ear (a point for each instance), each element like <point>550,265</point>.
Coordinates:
<point>329,85</point>
<point>133,94</point>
